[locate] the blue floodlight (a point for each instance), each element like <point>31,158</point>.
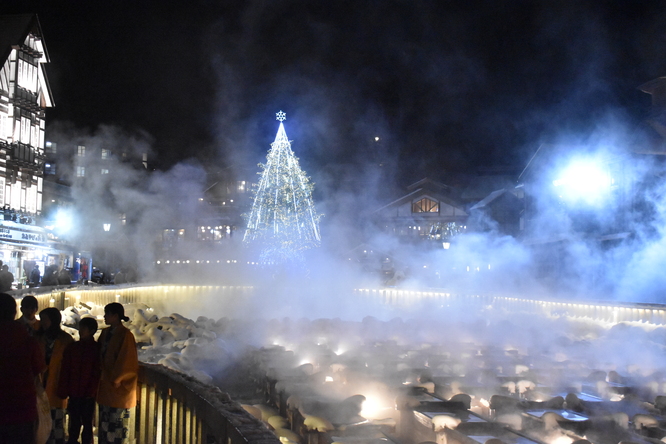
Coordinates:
<point>64,221</point>
<point>584,181</point>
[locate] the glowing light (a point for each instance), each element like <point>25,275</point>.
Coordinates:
<point>583,181</point>
<point>372,408</point>
<point>329,379</point>
<point>376,138</point>
<point>64,221</point>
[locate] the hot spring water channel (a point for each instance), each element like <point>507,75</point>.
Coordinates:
<point>406,366</point>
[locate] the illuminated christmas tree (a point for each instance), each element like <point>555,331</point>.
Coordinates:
<point>283,221</point>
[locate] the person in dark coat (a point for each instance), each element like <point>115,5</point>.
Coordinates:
<point>64,277</point>
<point>79,378</point>
<point>35,276</point>
<point>21,361</point>
<point>50,275</point>
<point>6,279</point>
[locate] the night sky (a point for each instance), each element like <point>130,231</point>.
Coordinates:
<point>448,86</point>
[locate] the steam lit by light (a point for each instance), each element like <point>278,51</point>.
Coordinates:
<point>64,221</point>
<point>372,408</point>
<point>583,180</point>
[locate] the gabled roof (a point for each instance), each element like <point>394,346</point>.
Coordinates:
<point>488,199</point>
<point>480,186</point>
<point>492,197</point>
<point>422,192</point>
<point>429,184</point>
<point>13,31</point>
<point>546,157</point>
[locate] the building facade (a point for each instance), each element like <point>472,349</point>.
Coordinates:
<point>426,212</point>
<point>24,98</point>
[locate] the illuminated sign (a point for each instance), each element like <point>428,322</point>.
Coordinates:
<point>12,234</point>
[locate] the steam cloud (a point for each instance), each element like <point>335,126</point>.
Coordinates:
<point>438,89</point>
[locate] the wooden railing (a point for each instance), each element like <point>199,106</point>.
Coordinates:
<point>174,408</point>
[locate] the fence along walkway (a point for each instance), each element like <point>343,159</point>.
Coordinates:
<point>174,408</point>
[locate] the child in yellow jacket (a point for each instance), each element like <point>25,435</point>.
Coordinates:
<point>54,341</point>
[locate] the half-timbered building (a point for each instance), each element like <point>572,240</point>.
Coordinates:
<point>24,97</point>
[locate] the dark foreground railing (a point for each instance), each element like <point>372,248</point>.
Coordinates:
<point>174,408</point>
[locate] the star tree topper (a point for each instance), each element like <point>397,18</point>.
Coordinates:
<point>281,116</point>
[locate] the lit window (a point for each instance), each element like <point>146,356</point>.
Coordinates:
<point>105,171</point>
<point>80,171</point>
<point>105,153</point>
<point>25,130</point>
<point>241,186</point>
<point>80,150</point>
<point>211,234</point>
<point>51,147</point>
<point>49,168</point>
<point>425,205</point>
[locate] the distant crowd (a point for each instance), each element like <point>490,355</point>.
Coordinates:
<point>52,276</point>
<point>47,374</point>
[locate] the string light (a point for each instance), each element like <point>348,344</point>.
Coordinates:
<point>283,219</point>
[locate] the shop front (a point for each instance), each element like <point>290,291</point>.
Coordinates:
<point>23,246</point>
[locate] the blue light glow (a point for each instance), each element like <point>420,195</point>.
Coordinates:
<point>584,181</point>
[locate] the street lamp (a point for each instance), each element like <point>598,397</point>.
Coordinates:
<point>107,227</point>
